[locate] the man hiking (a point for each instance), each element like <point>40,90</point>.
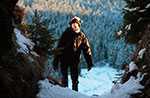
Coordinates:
<point>72,40</point>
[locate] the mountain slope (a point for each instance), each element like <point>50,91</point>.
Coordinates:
<point>101,19</point>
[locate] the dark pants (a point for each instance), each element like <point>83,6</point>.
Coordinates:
<point>74,76</point>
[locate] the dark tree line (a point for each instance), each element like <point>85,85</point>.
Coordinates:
<point>136,30</point>
<point>136,20</point>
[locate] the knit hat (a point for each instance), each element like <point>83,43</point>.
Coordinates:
<point>75,19</point>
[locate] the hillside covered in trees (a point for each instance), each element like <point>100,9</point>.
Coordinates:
<point>21,68</point>
<point>101,19</point>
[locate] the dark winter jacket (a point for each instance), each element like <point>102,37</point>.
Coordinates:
<point>72,44</point>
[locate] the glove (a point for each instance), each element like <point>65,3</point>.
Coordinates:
<point>89,68</point>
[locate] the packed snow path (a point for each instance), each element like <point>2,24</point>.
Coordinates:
<point>96,81</point>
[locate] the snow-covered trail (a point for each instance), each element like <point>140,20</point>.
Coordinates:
<point>94,84</point>
<point>96,81</point>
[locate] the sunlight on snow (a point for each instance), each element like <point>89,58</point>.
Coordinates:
<point>96,81</point>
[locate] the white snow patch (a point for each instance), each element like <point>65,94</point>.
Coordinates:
<point>119,33</point>
<point>148,6</point>
<point>140,19</point>
<point>141,52</point>
<point>140,41</point>
<point>24,43</point>
<point>144,67</point>
<point>48,90</point>
<point>132,66</point>
<point>31,59</point>
<point>132,86</point>
<point>142,10</point>
<point>132,9</point>
<point>96,81</point>
<point>128,27</point>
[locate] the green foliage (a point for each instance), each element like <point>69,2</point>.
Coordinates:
<point>41,34</point>
<point>136,17</point>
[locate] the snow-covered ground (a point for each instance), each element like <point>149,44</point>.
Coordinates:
<point>96,81</point>
<point>95,84</point>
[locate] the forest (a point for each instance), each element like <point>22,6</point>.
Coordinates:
<point>118,34</point>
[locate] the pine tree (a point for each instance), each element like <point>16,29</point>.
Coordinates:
<point>136,19</point>
<point>41,34</point>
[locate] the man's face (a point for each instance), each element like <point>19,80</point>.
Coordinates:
<point>75,26</point>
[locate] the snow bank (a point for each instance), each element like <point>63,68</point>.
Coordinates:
<point>119,33</point>
<point>132,86</point>
<point>48,90</point>
<point>128,27</point>
<point>141,52</point>
<point>132,66</point>
<point>24,43</point>
<point>148,6</point>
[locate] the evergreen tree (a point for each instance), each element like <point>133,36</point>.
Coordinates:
<point>136,20</point>
<point>41,34</point>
